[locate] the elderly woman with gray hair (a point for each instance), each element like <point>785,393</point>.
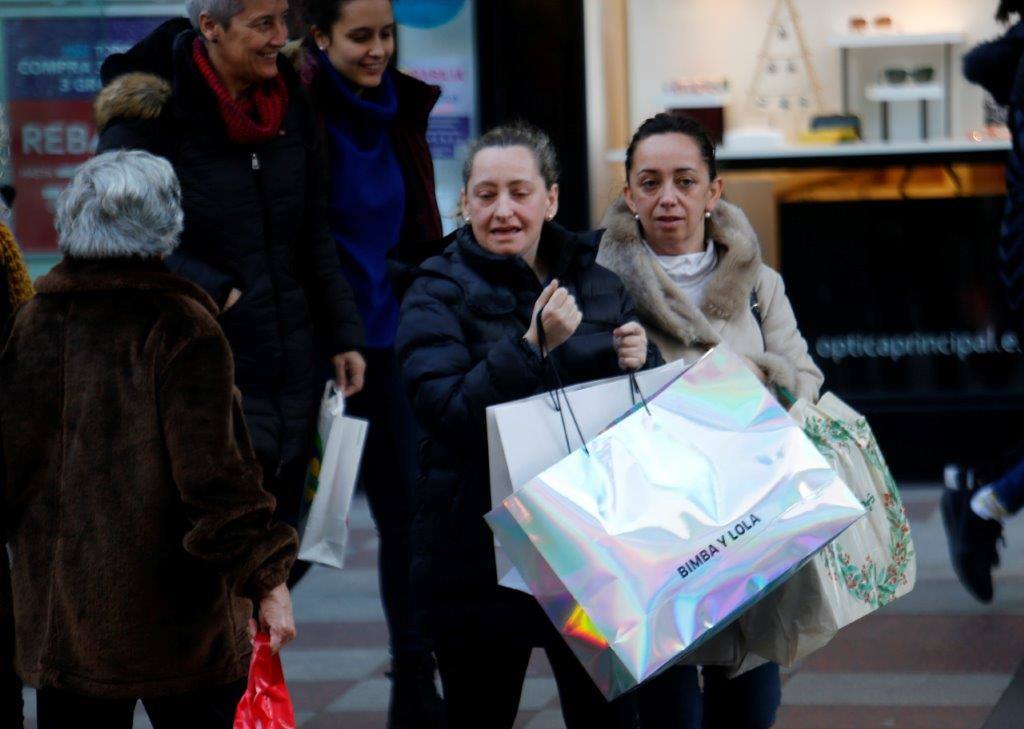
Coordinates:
<point>131,502</point>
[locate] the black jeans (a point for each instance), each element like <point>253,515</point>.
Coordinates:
<point>483,649</point>
<point>387,476</point>
<point>212,708</point>
<point>749,700</point>
<point>674,700</point>
<point>286,481</point>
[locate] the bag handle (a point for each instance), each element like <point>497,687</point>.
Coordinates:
<point>786,397</point>
<point>559,390</point>
<point>334,392</point>
<point>755,309</point>
<point>634,390</point>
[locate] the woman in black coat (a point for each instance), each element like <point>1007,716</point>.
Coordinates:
<point>997,67</point>
<point>214,98</point>
<point>384,220</point>
<point>973,518</point>
<point>468,339</point>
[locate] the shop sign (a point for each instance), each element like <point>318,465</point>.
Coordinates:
<point>427,13</point>
<point>449,128</point>
<point>53,73</point>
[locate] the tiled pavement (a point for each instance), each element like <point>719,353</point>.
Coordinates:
<point>933,660</point>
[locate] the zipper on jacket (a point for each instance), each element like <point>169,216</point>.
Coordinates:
<point>261,191</point>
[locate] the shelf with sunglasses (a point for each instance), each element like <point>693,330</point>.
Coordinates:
<point>904,92</point>
<point>782,155</point>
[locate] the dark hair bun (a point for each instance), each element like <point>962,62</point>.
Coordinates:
<point>674,124</point>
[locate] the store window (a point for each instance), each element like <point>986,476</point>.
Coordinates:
<point>51,54</point>
<point>436,44</point>
<point>52,51</point>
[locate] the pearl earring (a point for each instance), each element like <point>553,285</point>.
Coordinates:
<point>636,216</point>
<point>707,215</point>
<point>322,48</point>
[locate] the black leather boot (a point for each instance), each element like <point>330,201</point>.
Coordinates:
<point>972,539</point>
<point>415,703</point>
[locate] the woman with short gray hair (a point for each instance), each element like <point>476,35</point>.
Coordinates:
<point>130,496</point>
<point>121,204</point>
<point>222,11</point>
<point>211,95</point>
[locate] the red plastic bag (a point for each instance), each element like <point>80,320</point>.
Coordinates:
<point>266,703</point>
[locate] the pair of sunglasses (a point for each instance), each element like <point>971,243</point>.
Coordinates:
<point>919,75</point>
<point>881,22</point>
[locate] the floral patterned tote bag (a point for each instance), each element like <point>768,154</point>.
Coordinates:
<point>868,566</point>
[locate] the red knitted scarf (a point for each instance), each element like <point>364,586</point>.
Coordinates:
<point>254,121</point>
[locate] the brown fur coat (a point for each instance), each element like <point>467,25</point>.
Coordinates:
<point>131,497</point>
<point>680,329</point>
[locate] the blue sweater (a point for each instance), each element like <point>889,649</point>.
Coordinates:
<point>366,203</point>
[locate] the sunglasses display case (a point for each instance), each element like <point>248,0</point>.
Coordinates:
<point>899,82</point>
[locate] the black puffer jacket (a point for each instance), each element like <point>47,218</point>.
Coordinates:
<point>997,66</point>
<point>461,343</point>
<point>254,220</point>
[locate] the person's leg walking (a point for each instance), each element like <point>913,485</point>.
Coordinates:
<point>972,518</point>
<point>583,704</point>
<point>671,700</point>
<point>387,476</point>
<point>482,659</point>
<point>59,710</point>
<point>749,700</point>
<point>210,708</point>
<point>286,481</point>
<point>1008,490</point>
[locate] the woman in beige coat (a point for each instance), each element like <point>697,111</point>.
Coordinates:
<point>692,264</point>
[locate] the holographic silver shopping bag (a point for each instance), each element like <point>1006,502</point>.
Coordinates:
<point>673,521</point>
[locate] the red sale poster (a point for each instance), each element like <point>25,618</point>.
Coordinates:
<point>49,139</point>
<point>53,73</point>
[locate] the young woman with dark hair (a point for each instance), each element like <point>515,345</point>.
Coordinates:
<point>383,218</point>
<point>692,263</point>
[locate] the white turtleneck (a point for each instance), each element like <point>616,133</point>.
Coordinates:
<point>689,271</point>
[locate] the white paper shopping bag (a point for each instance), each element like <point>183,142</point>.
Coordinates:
<point>332,478</point>
<point>525,437</point>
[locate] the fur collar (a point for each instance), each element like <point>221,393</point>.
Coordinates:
<point>660,301</point>
<point>131,96</point>
<point>77,276</point>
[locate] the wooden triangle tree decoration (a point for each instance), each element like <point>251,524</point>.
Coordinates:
<point>784,85</point>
